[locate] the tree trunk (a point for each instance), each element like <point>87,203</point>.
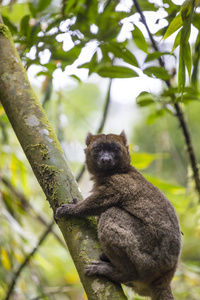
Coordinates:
<point>49,164</point>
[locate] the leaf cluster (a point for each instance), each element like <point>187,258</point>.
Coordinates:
<point>44,27</point>
<point>183,22</point>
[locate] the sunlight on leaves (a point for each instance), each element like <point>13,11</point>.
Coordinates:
<point>139,39</point>
<point>116,72</point>
<point>145,98</point>
<point>143,160</point>
<point>5,259</point>
<point>175,24</point>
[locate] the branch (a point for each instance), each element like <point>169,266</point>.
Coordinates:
<point>105,111</point>
<point>49,165</point>
<point>27,259</point>
<point>179,112</point>
<point>26,206</point>
<point>53,291</point>
<point>190,149</point>
<point>101,125</point>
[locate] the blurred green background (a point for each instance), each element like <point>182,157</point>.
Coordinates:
<point>50,36</point>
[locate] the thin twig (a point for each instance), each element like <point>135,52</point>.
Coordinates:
<point>27,259</point>
<point>26,205</point>
<point>101,125</point>
<point>80,174</point>
<point>190,149</point>
<point>179,112</point>
<point>143,19</point>
<point>54,291</point>
<point>105,111</point>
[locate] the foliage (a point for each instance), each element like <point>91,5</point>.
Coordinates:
<point>53,36</point>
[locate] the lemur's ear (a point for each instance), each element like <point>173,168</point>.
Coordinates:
<point>88,138</point>
<point>123,135</point>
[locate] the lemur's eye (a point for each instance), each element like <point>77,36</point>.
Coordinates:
<point>96,149</point>
<point>116,149</point>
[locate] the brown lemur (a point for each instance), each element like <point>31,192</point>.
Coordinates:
<point>138,228</point>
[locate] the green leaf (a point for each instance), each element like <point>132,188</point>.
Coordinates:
<point>139,39</point>
<point>147,6</point>
<point>116,72</point>
<point>143,160</point>
<point>69,56</point>
<point>185,32</point>
<point>158,72</point>
<point>196,59</point>
<point>51,67</point>
<point>122,52</point>
<point>195,20</point>
<point>16,13</point>
<point>155,55</point>
<point>42,73</point>
<point>188,97</point>
<point>90,65</point>
<point>177,41</point>
<point>24,25</point>
<point>144,99</point>
<point>76,77</point>
<point>169,92</point>
<point>155,115</point>
<point>181,72</point>
<point>71,6</point>
<point>109,21</point>
<point>13,29</point>
<point>187,10</point>
<point>108,34</point>
<point>174,189</point>
<point>187,58</point>
<point>175,24</point>
<point>42,5</point>
<point>93,63</point>
<point>32,9</point>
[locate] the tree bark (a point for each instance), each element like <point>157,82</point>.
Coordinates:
<point>49,164</point>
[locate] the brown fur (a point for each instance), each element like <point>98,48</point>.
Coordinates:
<point>138,228</point>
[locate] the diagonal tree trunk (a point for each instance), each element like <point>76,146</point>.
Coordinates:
<point>49,164</point>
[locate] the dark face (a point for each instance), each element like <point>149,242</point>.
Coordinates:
<point>106,155</point>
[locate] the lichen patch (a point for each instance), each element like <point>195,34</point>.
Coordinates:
<point>44,131</point>
<point>32,121</point>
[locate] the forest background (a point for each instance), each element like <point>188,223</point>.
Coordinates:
<point>101,66</point>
